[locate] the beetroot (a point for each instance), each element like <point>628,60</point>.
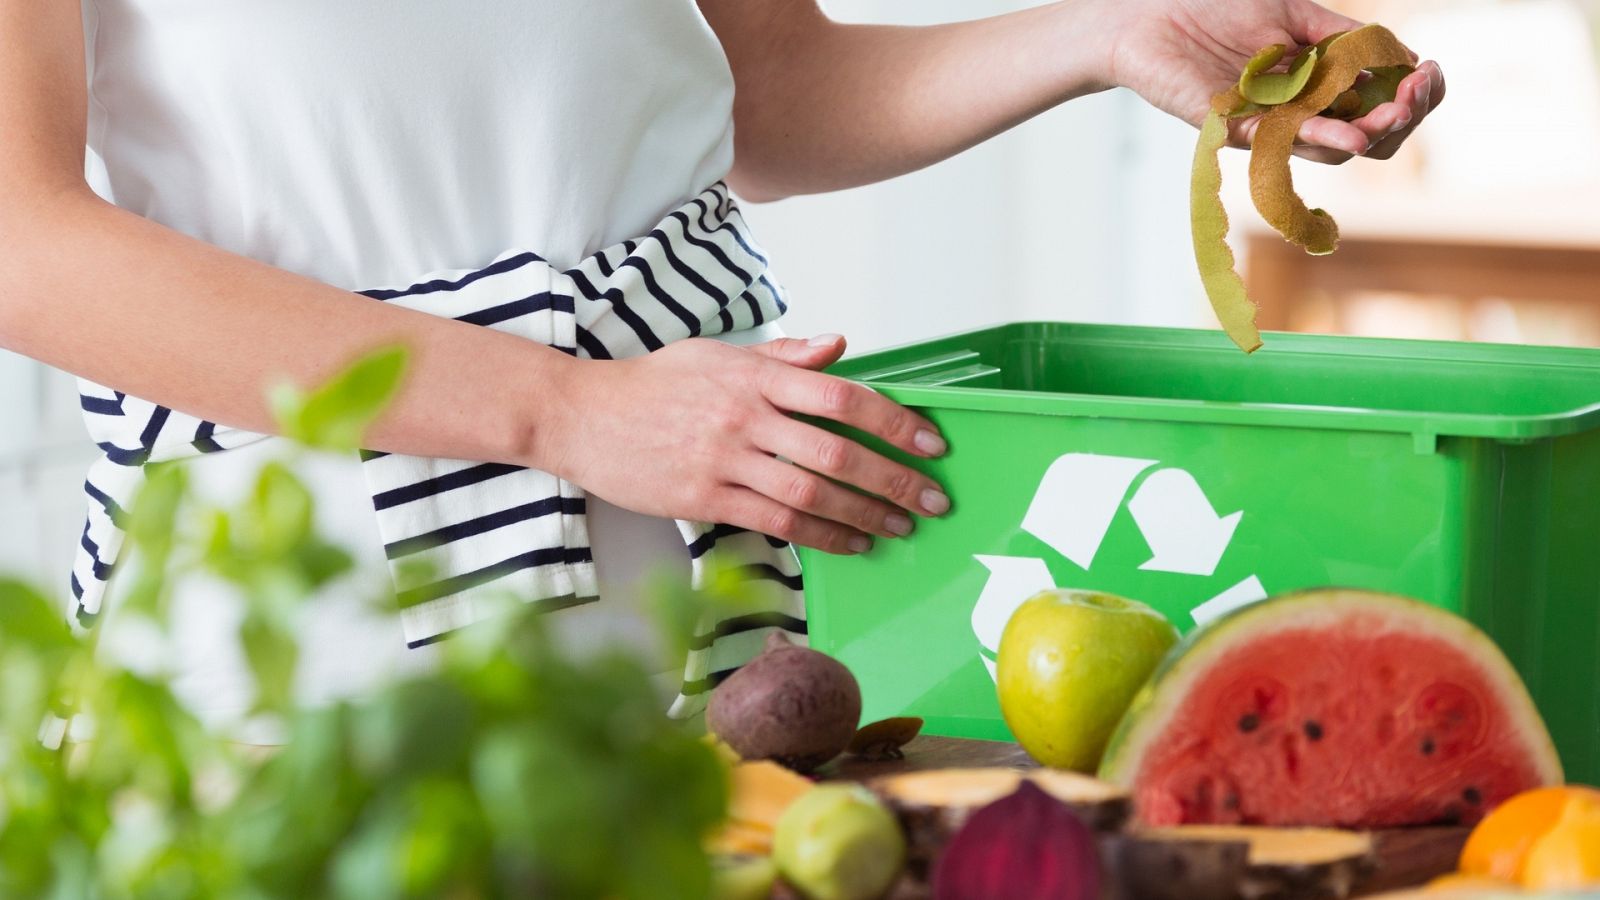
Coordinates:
<point>792,705</point>
<point>1025,846</point>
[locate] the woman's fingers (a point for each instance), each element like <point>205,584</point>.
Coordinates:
<point>751,509</point>
<point>1311,22</point>
<point>1332,134</point>
<point>849,403</point>
<point>844,460</point>
<point>1377,135</point>
<point>1419,94</point>
<point>816,353</point>
<point>1435,84</point>
<point>1331,142</point>
<point>808,492</point>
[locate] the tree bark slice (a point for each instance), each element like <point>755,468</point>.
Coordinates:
<point>1406,856</point>
<point>1240,863</point>
<point>933,805</point>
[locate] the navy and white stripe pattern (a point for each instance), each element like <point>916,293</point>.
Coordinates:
<point>487,531</point>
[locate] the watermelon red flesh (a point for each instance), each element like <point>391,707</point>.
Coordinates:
<point>1365,719</point>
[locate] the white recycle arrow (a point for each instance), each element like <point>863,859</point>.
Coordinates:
<point>1180,525</point>
<point>1012,580</point>
<point>1076,501</point>
<point>1244,593</point>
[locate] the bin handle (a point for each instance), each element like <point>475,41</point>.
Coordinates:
<point>932,371</point>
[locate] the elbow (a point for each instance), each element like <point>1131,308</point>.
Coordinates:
<point>35,232</point>
<point>755,190</point>
<point>18,245</point>
<point>757,178</point>
<point>34,218</point>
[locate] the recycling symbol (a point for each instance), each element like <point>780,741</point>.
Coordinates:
<point>1073,508</point>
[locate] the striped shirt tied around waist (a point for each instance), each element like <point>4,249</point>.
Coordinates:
<point>485,531</point>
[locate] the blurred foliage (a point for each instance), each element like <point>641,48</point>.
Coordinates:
<point>515,770</point>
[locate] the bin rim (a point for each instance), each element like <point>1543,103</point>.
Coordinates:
<point>1419,423</point>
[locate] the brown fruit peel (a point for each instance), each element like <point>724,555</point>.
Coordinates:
<point>1258,85</point>
<point>1271,183</point>
<point>1208,224</point>
<point>1380,87</point>
<point>1326,79</point>
<point>885,738</point>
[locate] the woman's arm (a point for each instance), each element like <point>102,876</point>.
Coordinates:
<point>108,295</point>
<point>689,431</point>
<point>822,105</point>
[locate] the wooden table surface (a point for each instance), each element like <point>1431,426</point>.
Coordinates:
<point>1407,856</point>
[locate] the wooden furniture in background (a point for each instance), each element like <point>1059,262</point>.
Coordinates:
<point>1538,254</point>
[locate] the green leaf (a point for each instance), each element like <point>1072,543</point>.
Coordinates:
<point>272,653</point>
<point>413,727</point>
<point>280,510</point>
<point>26,617</point>
<point>153,532</point>
<point>337,414</point>
<point>510,769</point>
<point>320,562</point>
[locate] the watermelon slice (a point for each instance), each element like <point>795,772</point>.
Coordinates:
<point>1331,708</point>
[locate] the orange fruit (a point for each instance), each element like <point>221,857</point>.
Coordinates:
<point>1568,855</point>
<point>1455,881</point>
<point>762,790</point>
<point>1500,843</point>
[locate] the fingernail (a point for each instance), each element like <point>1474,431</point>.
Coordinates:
<point>935,503</point>
<point>896,524</point>
<point>930,443</point>
<point>1400,124</point>
<point>825,340</point>
<point>859,544</point>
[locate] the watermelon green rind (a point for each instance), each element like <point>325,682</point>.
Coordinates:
<point>1157,702</point>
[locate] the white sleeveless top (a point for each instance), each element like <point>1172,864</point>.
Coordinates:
<point>363,142</point>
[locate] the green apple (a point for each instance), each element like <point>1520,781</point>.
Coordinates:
<point>838,842</point>
<point>742,877</point>
<point>1068,666</point>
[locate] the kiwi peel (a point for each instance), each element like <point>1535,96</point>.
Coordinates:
<point>1267,88</point>
<point>1345,76</point>
<point>885,739</point>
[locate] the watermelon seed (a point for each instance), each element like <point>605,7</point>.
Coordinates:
<point>1472,795</point>
<point>1313,730</point>
<point>1249,722</point>
<point>1230,802</point>
<point>1427,746</point>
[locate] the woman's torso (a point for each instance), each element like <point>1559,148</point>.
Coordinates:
<point>364,142</point>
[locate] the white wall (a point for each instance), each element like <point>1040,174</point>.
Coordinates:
<point>1079,215</point>
<point>44,453</point>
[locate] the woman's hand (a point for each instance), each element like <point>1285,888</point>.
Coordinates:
<point>695,431</point>
<point>1177,53</point>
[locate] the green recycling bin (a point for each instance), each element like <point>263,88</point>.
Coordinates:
<point>1165,465</point>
